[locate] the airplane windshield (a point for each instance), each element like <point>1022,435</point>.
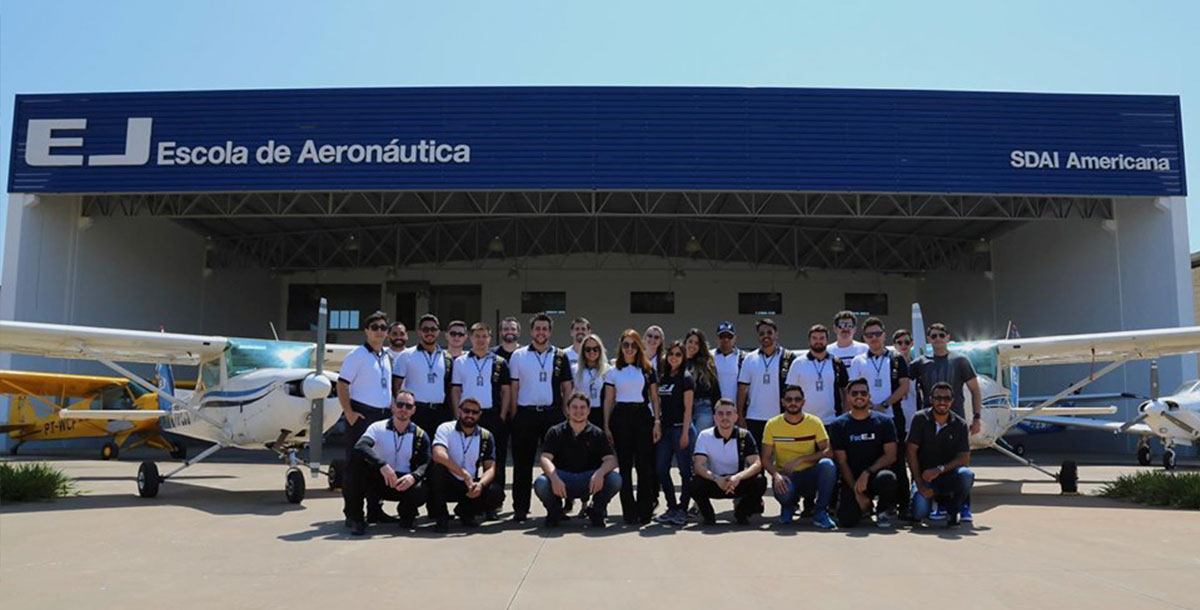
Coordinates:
<point>245,355</point>
<point>1188,387</point>
<point>115,397</point>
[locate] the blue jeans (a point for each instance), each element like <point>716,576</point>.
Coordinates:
<point>950,489</point>
<point>817,479</point>
<point>702,413</point>
<point>668,447</point>
<point>577,487</point>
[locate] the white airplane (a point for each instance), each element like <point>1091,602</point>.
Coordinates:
<point>250,393</point>
<point>1174,418</point>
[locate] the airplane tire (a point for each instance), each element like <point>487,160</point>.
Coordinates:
<point>1143,455</point>
<point>1169,459</point>
<point>1068,477</point>
<point>293,488</point>
<point>110,451</point>
<point>178,451</point>
<point>1019,449</point>
<point>148,479</point>
<point>337,473</point>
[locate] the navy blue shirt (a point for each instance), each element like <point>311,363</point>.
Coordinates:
<point>670,397</point>
<point>862,440</point>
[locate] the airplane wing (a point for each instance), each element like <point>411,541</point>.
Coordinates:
<point>125,415</point>
<point>90,343</point>
<point>54,384</point>
<point>1099,347</point>
<point>1091,424</point>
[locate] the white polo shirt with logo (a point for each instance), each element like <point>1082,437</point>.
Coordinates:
<point>474,376</point>
<point>424,373</point>
<point>369,376</point>
<point>722,455</point>
<point>535,372</point>
<point>727,372</point>
<point>878,373</point>
<point>463,448</point>
<point>629,383</point>
<point>818,379</point>
<point>392,446</point>
<point>761,374</point>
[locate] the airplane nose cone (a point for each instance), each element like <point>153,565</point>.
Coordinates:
<point>316,386</point>
<point>1152,407</point>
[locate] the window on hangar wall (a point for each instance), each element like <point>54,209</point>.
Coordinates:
<point>760,303</point>
<point>867,303</point>
<point>651,302</point>
<point>349,304</point>
<point>549,302</point>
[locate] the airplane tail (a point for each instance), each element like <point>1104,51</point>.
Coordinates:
<point>918,330</point>
<point>166,383</point>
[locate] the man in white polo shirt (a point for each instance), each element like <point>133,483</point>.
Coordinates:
<point>580,329</point>
<point>392,456</point>
<point>364,393</point>
<point>762,378</point>
<point>885,371</point>
<point>463,470</point>
<point>727,359</point>
<point>846,348</point>
<point>541,378</point>
<point>727,465</point>
<point>424,369</point>
<point>483,376</point>
<point>822,377</point>
<point>397,339</point>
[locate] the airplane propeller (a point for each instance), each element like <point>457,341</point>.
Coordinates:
<point>1153,398</point>
<point>316,387</point>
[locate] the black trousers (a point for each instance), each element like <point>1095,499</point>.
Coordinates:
<point>632,427</point>
<point>901,470</point>
<point>443,488</point>
<point>756,427</point>
<point>747,496</point>
<point>529,425</point>
<point>431,415</point>
<point>596,416</point>
<point>367,484</point>
<point>370,415</point>
<point>882,487</point>
<point>499,428</point>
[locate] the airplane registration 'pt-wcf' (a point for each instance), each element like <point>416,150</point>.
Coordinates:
<point>250,393</point>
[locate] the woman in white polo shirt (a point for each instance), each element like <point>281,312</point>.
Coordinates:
<point>633,429</point>
<point>589,375</point>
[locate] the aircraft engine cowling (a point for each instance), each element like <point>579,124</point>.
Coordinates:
<point>316,386</point>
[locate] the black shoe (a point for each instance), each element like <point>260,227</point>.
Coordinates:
<point>358,528</point>
<point>629,519</point>
<point>552,520</point>
<point>595,517</point>
<point>952,520</point>
<point>468,520</point>
<point>742,519</point>
<point>520,517</point>
<point>381,517</point>
<point>407,523</point>
<point>441,526</point>
<point>491,515</point>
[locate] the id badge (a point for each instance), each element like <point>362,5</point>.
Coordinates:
<point>479,381</point>
<point>432,377</point>
<point>766,378</point>
<point>820,385</point>
<point>383,383</point>
<point>878,382</point>
<point>542,376</point>
<point>594,394</point>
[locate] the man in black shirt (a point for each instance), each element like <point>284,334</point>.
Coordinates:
<point>577,462</point>
<point>864,446</point>
<point>938,454</point>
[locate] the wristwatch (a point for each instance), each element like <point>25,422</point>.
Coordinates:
<point>941,468</point>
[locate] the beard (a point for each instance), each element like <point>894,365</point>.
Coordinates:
<point>509,337</point>
<point>817,349</point>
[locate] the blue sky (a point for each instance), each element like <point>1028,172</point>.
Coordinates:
<point>1062,46</point>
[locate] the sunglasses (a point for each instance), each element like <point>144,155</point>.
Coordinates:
<point>377,327</point>
<point>406,405</point>
<point>793,399</point>
<point>591,350</point>
<point>941,399</point>
<point>628,345</point>
<point>938,335</point>
<point>873,334</point>
<point>675,354</point>
<point>845,325</point>
<point>470,411</point>
<point>903,341</point>
<point>655,337</point>
<point>766,333</point>
<point>429,329</point>
<point>859,393</point>
<point>457,333</point>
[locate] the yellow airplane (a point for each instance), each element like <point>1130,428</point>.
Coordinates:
<point>35,400</point>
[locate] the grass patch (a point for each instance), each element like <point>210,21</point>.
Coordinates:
<point>33,481</point>
<point>1158,488</point>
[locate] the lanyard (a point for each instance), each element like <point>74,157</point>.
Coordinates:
<point>430,359</point>
<point>466,442</point>
<point>399,446</point>
<point>384,373</point>
<point>820,371</point>
<point>541,358</point>
<point>882,359</point>
<point>767,361</point>
<point>479,369</point>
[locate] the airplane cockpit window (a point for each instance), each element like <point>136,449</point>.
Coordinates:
<point>210,374</point>
<point>1188,387</point>
<point>115,397</point>
<point>245,355</point>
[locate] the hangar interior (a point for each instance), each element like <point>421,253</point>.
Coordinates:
<point>233,264</point>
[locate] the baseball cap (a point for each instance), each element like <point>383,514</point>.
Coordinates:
<point>725,327</point>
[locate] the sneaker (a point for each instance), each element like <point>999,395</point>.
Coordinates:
<point>595,517</point>
<point>667,517</point>
<point>824,521</point>
<point>358,528</point>
<point>520,517</point>
<point>938,514</point>
<point>679,518</point>
<point>468,521</point>
<point>952,521</point>
<point>441,526</point>
<point>884,520</point>
<point>407,523</point>
<point>491,515</point>
<point>965,515</point>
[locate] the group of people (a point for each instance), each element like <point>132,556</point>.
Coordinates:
<point>838,427</point>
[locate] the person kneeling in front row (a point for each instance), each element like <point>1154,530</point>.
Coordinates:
<point>391,457</point>
<point>864,445</point>
<point>797,458</point>
<point>938,454</point>
<point>577,462</point>
<point>727,465</point>
<point>459,447</point>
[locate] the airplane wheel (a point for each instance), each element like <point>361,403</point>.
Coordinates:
<point>110,451</point>
<point>1068,477</point>
<point>148,480</point>
<point>1169,459</point>
<point>337,474</point>
<point>1143,455</point>
<point>178,451</point>
<point>1019,449</point>
<point>294,487</point>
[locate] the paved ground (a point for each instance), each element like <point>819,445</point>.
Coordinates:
<point>222,537</point>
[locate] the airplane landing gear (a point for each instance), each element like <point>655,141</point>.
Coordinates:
<point>14,449</point>
<point>1143,454</point>
<point>293,489</point>
<point>109,451</point>
<point>1068,477</point>
<point>337,473</point>
<point>148,479</point>
<point>178,451</point>
<point>1168,460</point>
